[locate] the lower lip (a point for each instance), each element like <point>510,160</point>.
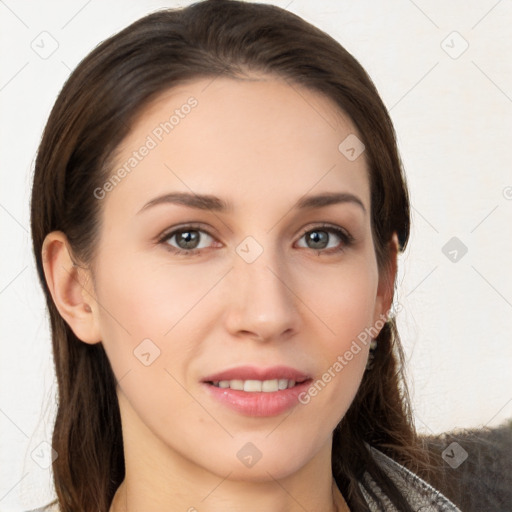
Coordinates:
<point>258,404</point>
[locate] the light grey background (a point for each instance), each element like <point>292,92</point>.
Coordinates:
<point>452,109</point>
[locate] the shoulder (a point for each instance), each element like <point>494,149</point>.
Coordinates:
<point>419,494</point>
<point>51,507</point>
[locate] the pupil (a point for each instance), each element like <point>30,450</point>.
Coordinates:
<point>318,237</point>
<point>190,237</point>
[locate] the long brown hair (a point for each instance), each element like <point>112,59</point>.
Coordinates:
<point>94,113</point>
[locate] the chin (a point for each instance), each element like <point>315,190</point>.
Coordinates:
<point>261,460</point>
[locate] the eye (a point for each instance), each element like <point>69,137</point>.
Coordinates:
<point>191,239</point>
<point>320,238</point>
<point>188,240</point>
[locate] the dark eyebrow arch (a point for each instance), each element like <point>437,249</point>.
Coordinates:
<point>327,199</point>
<point>199,201</point>
<point>214,203</point>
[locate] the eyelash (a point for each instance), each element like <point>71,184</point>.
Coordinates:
<point>346,238</point>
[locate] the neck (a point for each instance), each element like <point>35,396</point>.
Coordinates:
<point>123,503</point>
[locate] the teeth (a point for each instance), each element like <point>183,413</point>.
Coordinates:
<point>252,385</point>
<point>236,384</point>
<point>270,385</point>
<point>255,386</point>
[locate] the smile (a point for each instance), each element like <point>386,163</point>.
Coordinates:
<point>254,386</point>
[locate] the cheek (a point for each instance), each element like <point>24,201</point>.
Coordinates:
<point>147,320</point>
<point>344,303</point>
<point>147,300</point>
<point>154,315</point>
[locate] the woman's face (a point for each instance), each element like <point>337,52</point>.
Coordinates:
<point>258,285</point>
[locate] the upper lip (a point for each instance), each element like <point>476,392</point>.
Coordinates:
<point>257,373</point>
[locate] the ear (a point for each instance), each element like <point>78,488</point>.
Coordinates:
<point>386,286</point>
<point>70,287</point>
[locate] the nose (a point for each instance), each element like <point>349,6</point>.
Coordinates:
<point>262,304</point>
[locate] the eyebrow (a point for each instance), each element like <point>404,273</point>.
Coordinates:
<point>214,203</point>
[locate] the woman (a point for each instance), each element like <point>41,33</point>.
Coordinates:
<point>217,208</point>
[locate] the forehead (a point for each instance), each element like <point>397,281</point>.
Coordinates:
<point>253,137</point>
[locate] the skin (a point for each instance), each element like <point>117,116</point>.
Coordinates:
<point>261,145</point>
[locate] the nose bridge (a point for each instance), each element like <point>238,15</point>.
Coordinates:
<point>262,303</point>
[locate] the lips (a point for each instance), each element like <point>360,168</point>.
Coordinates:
<point>247,373</point>
<point>257,392</point>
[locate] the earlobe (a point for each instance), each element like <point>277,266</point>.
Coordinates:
<point>69,286</point>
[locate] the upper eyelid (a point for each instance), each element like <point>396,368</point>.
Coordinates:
<point>192,227</point>
<point>327,227</point>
